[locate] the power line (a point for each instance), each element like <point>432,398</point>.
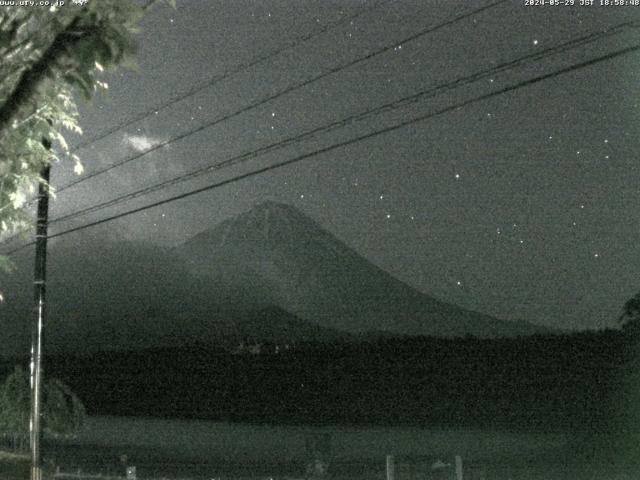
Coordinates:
<point>282,92</point>
<point>204,85</point>
<point>387,48</point>
<point>434,91</point>
<point>345,143</point>
<point>292,44</point>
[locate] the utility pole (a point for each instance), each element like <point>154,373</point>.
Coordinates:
<point>40,290</point>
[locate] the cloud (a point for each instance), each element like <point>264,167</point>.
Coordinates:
<point>140,143</point>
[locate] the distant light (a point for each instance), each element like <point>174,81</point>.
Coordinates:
<point>535,42</point>
<point>388,215</point>
<point>458,283</point>
<point>457,176</point>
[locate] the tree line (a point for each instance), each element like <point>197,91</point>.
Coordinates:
<point>543,382</point>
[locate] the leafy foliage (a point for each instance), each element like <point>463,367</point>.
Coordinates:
<point>63,412</point>
<point>46,53</point>
<point>630,317</point>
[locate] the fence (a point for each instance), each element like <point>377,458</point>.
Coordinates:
<point>79,475</point>
<point>14,442</point>
<point>83,476</point>
<point>412,467</point>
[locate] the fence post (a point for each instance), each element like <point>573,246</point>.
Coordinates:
<point>458,467</point>
<point>391,468</point>
<point>131,473</point>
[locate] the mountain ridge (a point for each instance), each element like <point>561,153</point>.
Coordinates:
<point>107,295</point>
<point>304,268</point>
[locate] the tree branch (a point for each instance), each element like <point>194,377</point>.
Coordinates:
<point>32,78</point>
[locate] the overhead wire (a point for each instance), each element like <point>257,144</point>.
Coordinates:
<point>290,45</point>
<point>284,91</point>
<point>379,51</point>
<point>421,118</point>
<point>429,93</point>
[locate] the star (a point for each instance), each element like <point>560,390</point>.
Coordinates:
<point>535,42</point>
<point>388,216</point>
<point>457,176</point>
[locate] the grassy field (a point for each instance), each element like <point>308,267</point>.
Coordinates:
<point>176,449</point>
<point>13,467</point>
<point>201,449</point>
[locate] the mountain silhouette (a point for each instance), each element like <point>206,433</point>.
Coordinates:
<point>276,255</point>
<point>269,274</point>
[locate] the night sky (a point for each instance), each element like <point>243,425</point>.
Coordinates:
<point>524,205</point>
